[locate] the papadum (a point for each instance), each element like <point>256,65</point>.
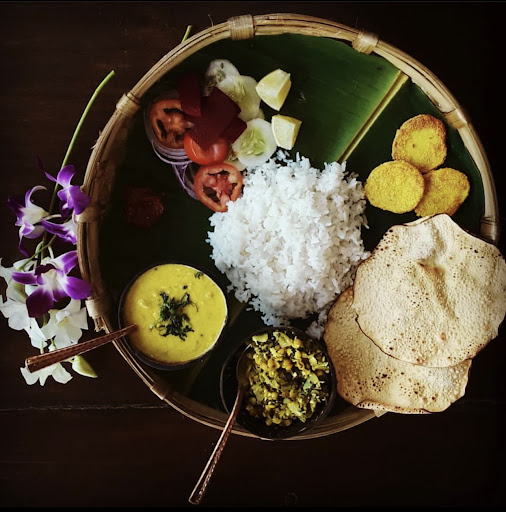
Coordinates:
<point>431,293</point>
<point>370,379</point>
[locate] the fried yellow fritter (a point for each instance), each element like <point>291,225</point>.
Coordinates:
<point>395,186</point>
<point>421,141</point>
<point>445,190</point>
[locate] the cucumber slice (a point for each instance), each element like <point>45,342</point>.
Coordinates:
<point>242,90</point>
<point>233,160</point>
<point>217,71</point>
<point>256,144</point>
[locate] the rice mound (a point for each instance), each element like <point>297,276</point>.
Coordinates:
<point>292,242</point>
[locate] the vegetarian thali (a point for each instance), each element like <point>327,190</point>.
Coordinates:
<point>289,241</point>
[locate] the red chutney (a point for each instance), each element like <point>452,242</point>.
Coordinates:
<point>143,208</point>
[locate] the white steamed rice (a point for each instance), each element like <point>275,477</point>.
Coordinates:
<point>292,242</point>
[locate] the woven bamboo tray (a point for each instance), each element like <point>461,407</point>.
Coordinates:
<point>110,149</point>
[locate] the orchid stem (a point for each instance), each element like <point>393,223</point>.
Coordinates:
<point>42,248</point>
<point>78,128</point>
<point>85,113</point>
<point>187,33</point>
<point>67,155</point>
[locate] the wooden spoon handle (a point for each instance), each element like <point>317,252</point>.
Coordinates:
<point>57,356</point>
<point>200,489</point>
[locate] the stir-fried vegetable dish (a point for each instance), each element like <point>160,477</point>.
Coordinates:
<point>288,377</point>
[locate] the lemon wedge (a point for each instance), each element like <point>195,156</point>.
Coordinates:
<point>285,130</point>
<point>81,366</point>
<point>273,88</point>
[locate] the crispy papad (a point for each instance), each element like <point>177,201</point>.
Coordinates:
<point>370,379</point>
<point>431,293</point>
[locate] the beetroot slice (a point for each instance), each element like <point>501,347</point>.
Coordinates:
<point>233,130</point>
<point>188,88</point>
<point>217,112</point>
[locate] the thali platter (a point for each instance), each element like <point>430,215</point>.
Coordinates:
<point>351,91</point>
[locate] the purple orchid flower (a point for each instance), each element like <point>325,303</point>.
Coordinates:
<point>71,196</point>
<point>66,231</point>
<point>28,216</point>
<point>52,283</point>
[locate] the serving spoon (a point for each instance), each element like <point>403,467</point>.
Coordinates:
<point>40,361</point>
<point>242,381</point>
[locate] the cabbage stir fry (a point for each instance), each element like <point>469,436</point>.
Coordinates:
<point>287,378</point>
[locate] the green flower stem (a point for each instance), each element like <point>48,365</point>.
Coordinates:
<point>39,250</point>
<point>66,159</point>
<point>39,253</point>
<point>187,33</point>
<point>76,131</point>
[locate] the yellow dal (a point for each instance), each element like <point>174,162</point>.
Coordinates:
<point>207,319</point>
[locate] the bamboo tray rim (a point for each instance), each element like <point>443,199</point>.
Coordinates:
<point>101,168</point>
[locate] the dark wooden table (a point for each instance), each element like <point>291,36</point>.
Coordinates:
<point>110,441</point>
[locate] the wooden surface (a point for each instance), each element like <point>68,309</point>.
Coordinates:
<point>110,441</point>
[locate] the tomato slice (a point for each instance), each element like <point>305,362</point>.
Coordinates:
<point>216,185</point>
<point>169,123</point>
<point>215,154</point>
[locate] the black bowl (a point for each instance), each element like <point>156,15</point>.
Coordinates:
<point>257,426</point>
<point>161,365</point>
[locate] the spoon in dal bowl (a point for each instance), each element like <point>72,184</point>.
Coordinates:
<point>40,361</point>
<point>242,381</point>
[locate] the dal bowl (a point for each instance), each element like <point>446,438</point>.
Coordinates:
<point>180,313</point>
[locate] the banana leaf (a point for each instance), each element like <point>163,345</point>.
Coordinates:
<point>350,105</point>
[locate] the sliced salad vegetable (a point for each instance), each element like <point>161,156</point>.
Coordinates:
<point>217,123</point>
<point>233,160</point>
<point>188,88</point>
<point>214,154</point>
<point>218,111</point>
<point>217,71</point>
<point>242,89</point>
<point>233,130</point>
<point>168,122</point>
<point>256,144</point>
<point>216,185</point>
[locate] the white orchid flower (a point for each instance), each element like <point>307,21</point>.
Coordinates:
<point>37,284</point>
<point>57,371</point>
<point>18,319</point>
<point>15,290</point>
<point>66,325</point>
